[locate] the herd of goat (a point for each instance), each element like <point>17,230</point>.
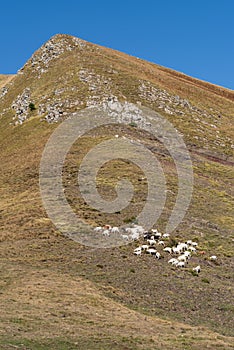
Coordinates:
<point>180,254</point>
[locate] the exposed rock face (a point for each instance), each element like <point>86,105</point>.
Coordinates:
<point>21,106</point>
<point>3,91</point>
<point>53,111</point>
<point>205,122</point>
<point>171,104</point>
<point>58,108</point>
<point>100,87</point>
<point>126,112</point>
<point>86,83</point>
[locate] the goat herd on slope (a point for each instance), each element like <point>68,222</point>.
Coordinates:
<point>179,255</point>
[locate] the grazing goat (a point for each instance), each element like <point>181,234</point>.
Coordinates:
<point>106,233</point>
<point>168,250</point>
<point>138,252</point>
<point>147,236</point>
<point>182,246</point>
<point>144,247</point>
<point>182,258</point>
<point>180,264</point>
<point>176,250</point>
<point>151,251</point>
<point>197,269</point>
<point>157,255</point>
<point>98,229</point>
<point>115,229</point>
<point>192,249</point>
<point>151,241</point>
<point>173,261</point>
<point>213,257</point>
<point>154,230</point>
<point>138,248</point>
<point>187,254</point>
<point>125,237</point>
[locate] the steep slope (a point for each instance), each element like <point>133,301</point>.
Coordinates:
<point>65,75</point>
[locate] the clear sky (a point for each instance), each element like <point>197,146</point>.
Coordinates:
<point>195,37</point>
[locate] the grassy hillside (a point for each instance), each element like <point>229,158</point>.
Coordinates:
<point>144,304</point>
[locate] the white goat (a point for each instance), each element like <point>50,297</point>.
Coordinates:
<point>157,255</point>
<point>168,250</point>
<point>144,247</point>
<point>137,249</point>
<point>151,241</point>
<point>98,229</point>
<point>154,230</point>
<point>125,237</point>
<point>213,257</point>
<point>173,261</point>
<point>182,258</point>
<point>138,252</point>
<point>176,250</point>
<point>115,229</point>
<point>188,254</point>
<point>156,233</point>
<point>106,233</point>
<point>182,246</point>
<point>151,251</point>
<point>197,269</point>
<point>192,249</point>
<point>180,264</point>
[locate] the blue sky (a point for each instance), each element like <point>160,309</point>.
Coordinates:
<point>193,37</point>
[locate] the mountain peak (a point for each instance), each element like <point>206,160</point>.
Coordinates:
<point>52,49</point>
<point>67,74</point>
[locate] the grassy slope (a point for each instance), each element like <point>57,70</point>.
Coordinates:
<point>32,246</point>
<point>5,78</point>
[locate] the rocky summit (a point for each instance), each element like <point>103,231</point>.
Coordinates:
<point>158,290</point>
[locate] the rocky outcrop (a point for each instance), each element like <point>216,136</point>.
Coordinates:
<point>51,50</point>
<point>53,112</point>
<point>170,104</point>
<point>99,86</point>
<point>21,106</point>
<point>3,91</point>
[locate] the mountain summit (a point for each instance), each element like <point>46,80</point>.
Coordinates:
<point>67,74</point>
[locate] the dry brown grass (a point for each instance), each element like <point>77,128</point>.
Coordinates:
<point>41,306</point>
<point>43,275</point>
<point>5,79</point>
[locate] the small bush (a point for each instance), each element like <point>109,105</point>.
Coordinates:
<point>32,106</point>
<point>100,266</point>
<point>205,280</point>
<point>134,125</point>
<point>130,220</point>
